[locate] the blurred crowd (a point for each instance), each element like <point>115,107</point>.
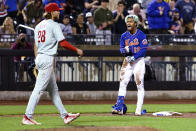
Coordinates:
<point>102,16</point>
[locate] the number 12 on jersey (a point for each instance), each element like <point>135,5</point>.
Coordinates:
<point>41,36</point>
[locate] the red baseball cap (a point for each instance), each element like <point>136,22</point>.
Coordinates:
<point>52,7</point>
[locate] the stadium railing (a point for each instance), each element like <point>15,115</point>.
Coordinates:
<point>99,70</point>
<point>83,39</point>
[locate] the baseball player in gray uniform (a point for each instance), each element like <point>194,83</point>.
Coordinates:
<point>47,36</point>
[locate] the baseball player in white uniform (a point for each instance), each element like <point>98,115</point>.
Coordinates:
<point>47,36</point>
<point>133,45</point>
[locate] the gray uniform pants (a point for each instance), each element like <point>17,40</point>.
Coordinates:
<point>45,80</point>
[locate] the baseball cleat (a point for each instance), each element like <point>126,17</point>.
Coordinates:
<point>114,112</point>
<point>120,110</point>
<point>138,112</point>
<point>27,121</point>
<point>116,109</point>
<point>70,117</point>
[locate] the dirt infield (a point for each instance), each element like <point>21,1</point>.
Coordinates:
<point>184,115</point>
<point>125,128</point>
<point>133,128</point>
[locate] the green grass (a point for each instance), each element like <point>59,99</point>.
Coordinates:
<point>163,123</point>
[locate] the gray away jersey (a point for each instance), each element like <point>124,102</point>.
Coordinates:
<point>47,35</point>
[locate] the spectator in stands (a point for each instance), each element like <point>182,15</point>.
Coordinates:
<point>3,11</point>
<point>90,23</point>
<point>174,14</point>
<point>60,3</point>
<point>80,27</point>
<point>70,10</point>
<point>172,8</point>
<point>187,9</point>
<point>119,18</point>
<point>130,4</point>
<point>91,5</point>
<point>32,13</point>
<point>21,44</point>
<point>144,4</point>
<point>167,1</point>
<point>158,17</point>
<point>73,9</point>
<point>78,5</point>
<point>104,21</point>
<point>7,30</point>
<point>138,11</point>
<point>12,8</point>
<point>7,27</point>
<point>113,5</point>
<point>142,25</point>
<point>20,5</point>
<point>66,26</point>
<point>176,23</point>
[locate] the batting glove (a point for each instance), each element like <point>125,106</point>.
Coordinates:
<point>123,51</point>
<point>130,59</point>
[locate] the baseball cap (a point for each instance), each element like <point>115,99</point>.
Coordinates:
<point>134,17</point>
<point>52,7</point>
<point>89,14</point>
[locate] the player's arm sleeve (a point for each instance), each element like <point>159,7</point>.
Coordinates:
<point>67,45</point>
<point>58,34</point>
<point>122,44</point>
<point>61,39</point>
<point>143,47</point>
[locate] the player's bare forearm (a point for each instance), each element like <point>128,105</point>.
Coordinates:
<point>65,44</point>
<point>79,52</point>
<point>35,50</point>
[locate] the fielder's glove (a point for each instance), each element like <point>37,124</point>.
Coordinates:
<point>130,59</point>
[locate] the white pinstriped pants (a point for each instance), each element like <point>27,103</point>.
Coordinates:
<point>137,68</point>
<point>45,80</point>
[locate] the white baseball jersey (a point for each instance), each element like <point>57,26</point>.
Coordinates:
<point>47,35</point>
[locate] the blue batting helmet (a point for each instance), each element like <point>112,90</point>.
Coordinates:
<point>124,109</point>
